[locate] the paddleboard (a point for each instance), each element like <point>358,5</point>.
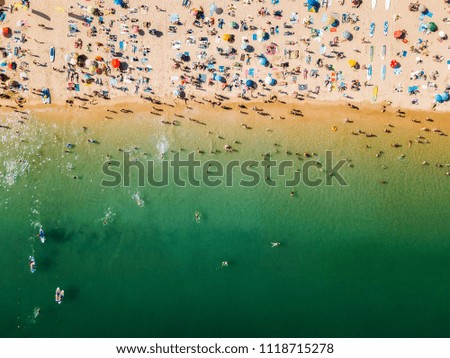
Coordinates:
<point>372,29</point>
<point>369,73</point>
<point>52,54</point>
<point>383,72</point>
<point>388,4</point>
<point>374,3</point>
<point>375,94</point>
<point>383,52</point>
<point>371,53</point>
<point>386,28</point>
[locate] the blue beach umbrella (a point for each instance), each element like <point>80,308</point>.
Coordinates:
<point>212,9</point>
<point>118,2</point>
<point>250,84</point>
<point>445,96</point>
<point>174,18</point>
<point>263,61</point>
<point>438,98</point>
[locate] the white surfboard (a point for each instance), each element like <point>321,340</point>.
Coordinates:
<point>388,4</point>
<point>374,3</point>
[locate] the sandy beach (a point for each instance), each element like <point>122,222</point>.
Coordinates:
<point>249,49</point>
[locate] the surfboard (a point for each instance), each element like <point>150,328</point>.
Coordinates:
<point>371,53</point>
<point>388,4</point>
<point>375,94</point>
<point>383,52</point>
<point>386,28</point>
<point>52,54</point>
<point>383,72</point>
<point>374,3</point>
<point>369,73</point>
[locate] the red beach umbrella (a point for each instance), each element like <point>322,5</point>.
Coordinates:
<point>399,34</point>
<point>6,31</point>
<point>395,64</point>
<point>115,63</point>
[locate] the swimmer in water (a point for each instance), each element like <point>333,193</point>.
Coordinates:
<point>197,216</point>
<point>275,244</point>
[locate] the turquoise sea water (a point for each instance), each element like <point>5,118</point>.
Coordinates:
<point>365,260</point>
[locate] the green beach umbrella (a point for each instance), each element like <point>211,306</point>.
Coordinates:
<point>432,27</point>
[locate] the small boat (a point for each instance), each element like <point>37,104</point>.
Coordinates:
<point>374,3</point>
<point>375,94</point>
<point>386,28</point>
<point>383,72</point>
<point>371,53</point>
<point>59,295</point>
<point>42,235</point>
<point>369,72</point>
<point>383,52</point>
<point>52,54</point>
<point>32,263</point>
<point>46,99</point>
<point>388,4</point>
<point>372,29</point>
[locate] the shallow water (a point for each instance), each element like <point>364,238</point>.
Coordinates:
<point>364,260</point>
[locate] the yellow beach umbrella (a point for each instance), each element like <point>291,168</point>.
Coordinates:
<point>226,37</point>
<point>352,63</point>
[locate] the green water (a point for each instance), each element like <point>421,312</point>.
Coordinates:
<point>365,260</point>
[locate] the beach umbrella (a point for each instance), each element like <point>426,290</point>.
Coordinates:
<point>90,9</point>
<point>73,61</point>
<point>135,29</point>
<point>20,23</point>
<point>12,65</point>
<point>263,61</point>
<point>118,2</point>
<point>394,64</point>
<point>3,64</point>
<point>261,35</point>
<point>346,35</point>
<point>438,98</point>
<point>115,63</point>
<point>98,71</point>
<point>445,96</point>
<point>228,50</point>
<point>270,81</point>
<point>250,84</point>
<point>212,9</point>
<point>6,31</point>
<point>422,8</point>
<point>174,18</point>
<point>67,57</point>
<point>233,25</point>
<point>91,69</point>
<point>98,58</point>
<point>226,37</point>
<point>432,27</point>
<point>88,63</point>
<point>442,35</point>
<point>244,46</point>
<point>352,63</point>
<point>399,34</point>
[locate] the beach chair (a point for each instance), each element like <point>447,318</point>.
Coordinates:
<point>254,37</point>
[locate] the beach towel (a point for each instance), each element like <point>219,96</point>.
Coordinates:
<point>254,37</point>
<point>251,72</point>
<point>333,29</point>
<point>397,71</point>
<point>77,87</point>
<point>2,16</point>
